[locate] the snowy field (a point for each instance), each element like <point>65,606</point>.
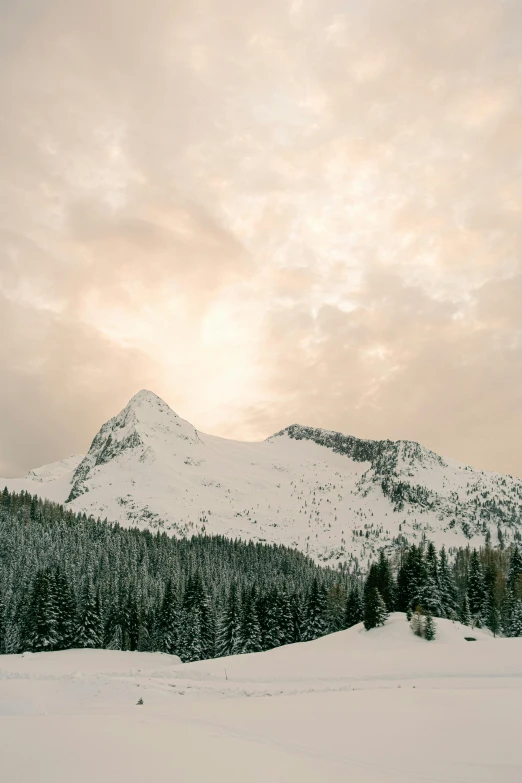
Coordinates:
<point>362,707</point>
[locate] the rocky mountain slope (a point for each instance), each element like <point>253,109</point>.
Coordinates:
<point>336,497</point>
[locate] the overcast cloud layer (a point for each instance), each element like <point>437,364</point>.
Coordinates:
<point>267,212</point>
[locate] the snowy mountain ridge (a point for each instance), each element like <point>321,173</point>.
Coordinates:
<point>333,496</point>
<point>145,424</point>
<point>55,470</point>
<point>385,456</point>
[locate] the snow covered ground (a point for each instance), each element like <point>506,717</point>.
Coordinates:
<point>354,706</point>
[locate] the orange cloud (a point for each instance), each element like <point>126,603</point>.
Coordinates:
<point>274,213</point>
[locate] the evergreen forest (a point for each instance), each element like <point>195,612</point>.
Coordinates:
<point>68,580</point>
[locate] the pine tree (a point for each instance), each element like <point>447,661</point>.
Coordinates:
<point>6,498</point>
<point>65,609</point>
<point>429,628</point>
<point>403,602</point>
<point>506,611</point>
<point>132,618</point>
<point>465,614</point>
<point>251,640</point>
<point>13,633</point>
<point>167,622</point>
<point>336,608</point>
<point>372,578</point>
<point>354,608</point>
<point>385,583</point>
<point>296,605</point>
<point>382,610</point>
<point>431,598</point>
<point>476,592</point>
<point>34,510</point>
<point>375,611</point>
<point>315,624</point>
<point>286,624</point>
<point>3,623</point>
<point>191,645</point>
<point>116,628</point>
<point>229,635</point>
<point>271,625</point>
<point>144,635</point>
<point>516,619</point>
<point>115,638</point>
<point>41,618</point>
<point>491,614</point>
<point>411,580</point>
<point>89,625</point>
<point>493,618</point>
<point>207,619</point>
<point>514,582</point>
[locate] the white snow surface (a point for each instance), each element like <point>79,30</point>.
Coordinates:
<point>150,468</point>
<point>367,707</point>
<point>52,481</point>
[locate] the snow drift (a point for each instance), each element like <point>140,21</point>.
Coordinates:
<point>371,707</point>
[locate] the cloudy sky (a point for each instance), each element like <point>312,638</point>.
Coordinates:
<point>267,212</point>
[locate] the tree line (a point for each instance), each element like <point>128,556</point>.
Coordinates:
<point>68,580</point>
<point>480,588</point>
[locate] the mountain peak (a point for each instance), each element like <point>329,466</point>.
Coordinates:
<point>144,396</point>
<point>150,416</point>
<point>146,403</point>
<point>146,427</point>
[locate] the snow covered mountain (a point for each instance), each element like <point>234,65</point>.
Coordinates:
<point>336,497</point>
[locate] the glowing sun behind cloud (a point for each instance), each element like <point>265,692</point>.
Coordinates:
<point>267,213</point>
